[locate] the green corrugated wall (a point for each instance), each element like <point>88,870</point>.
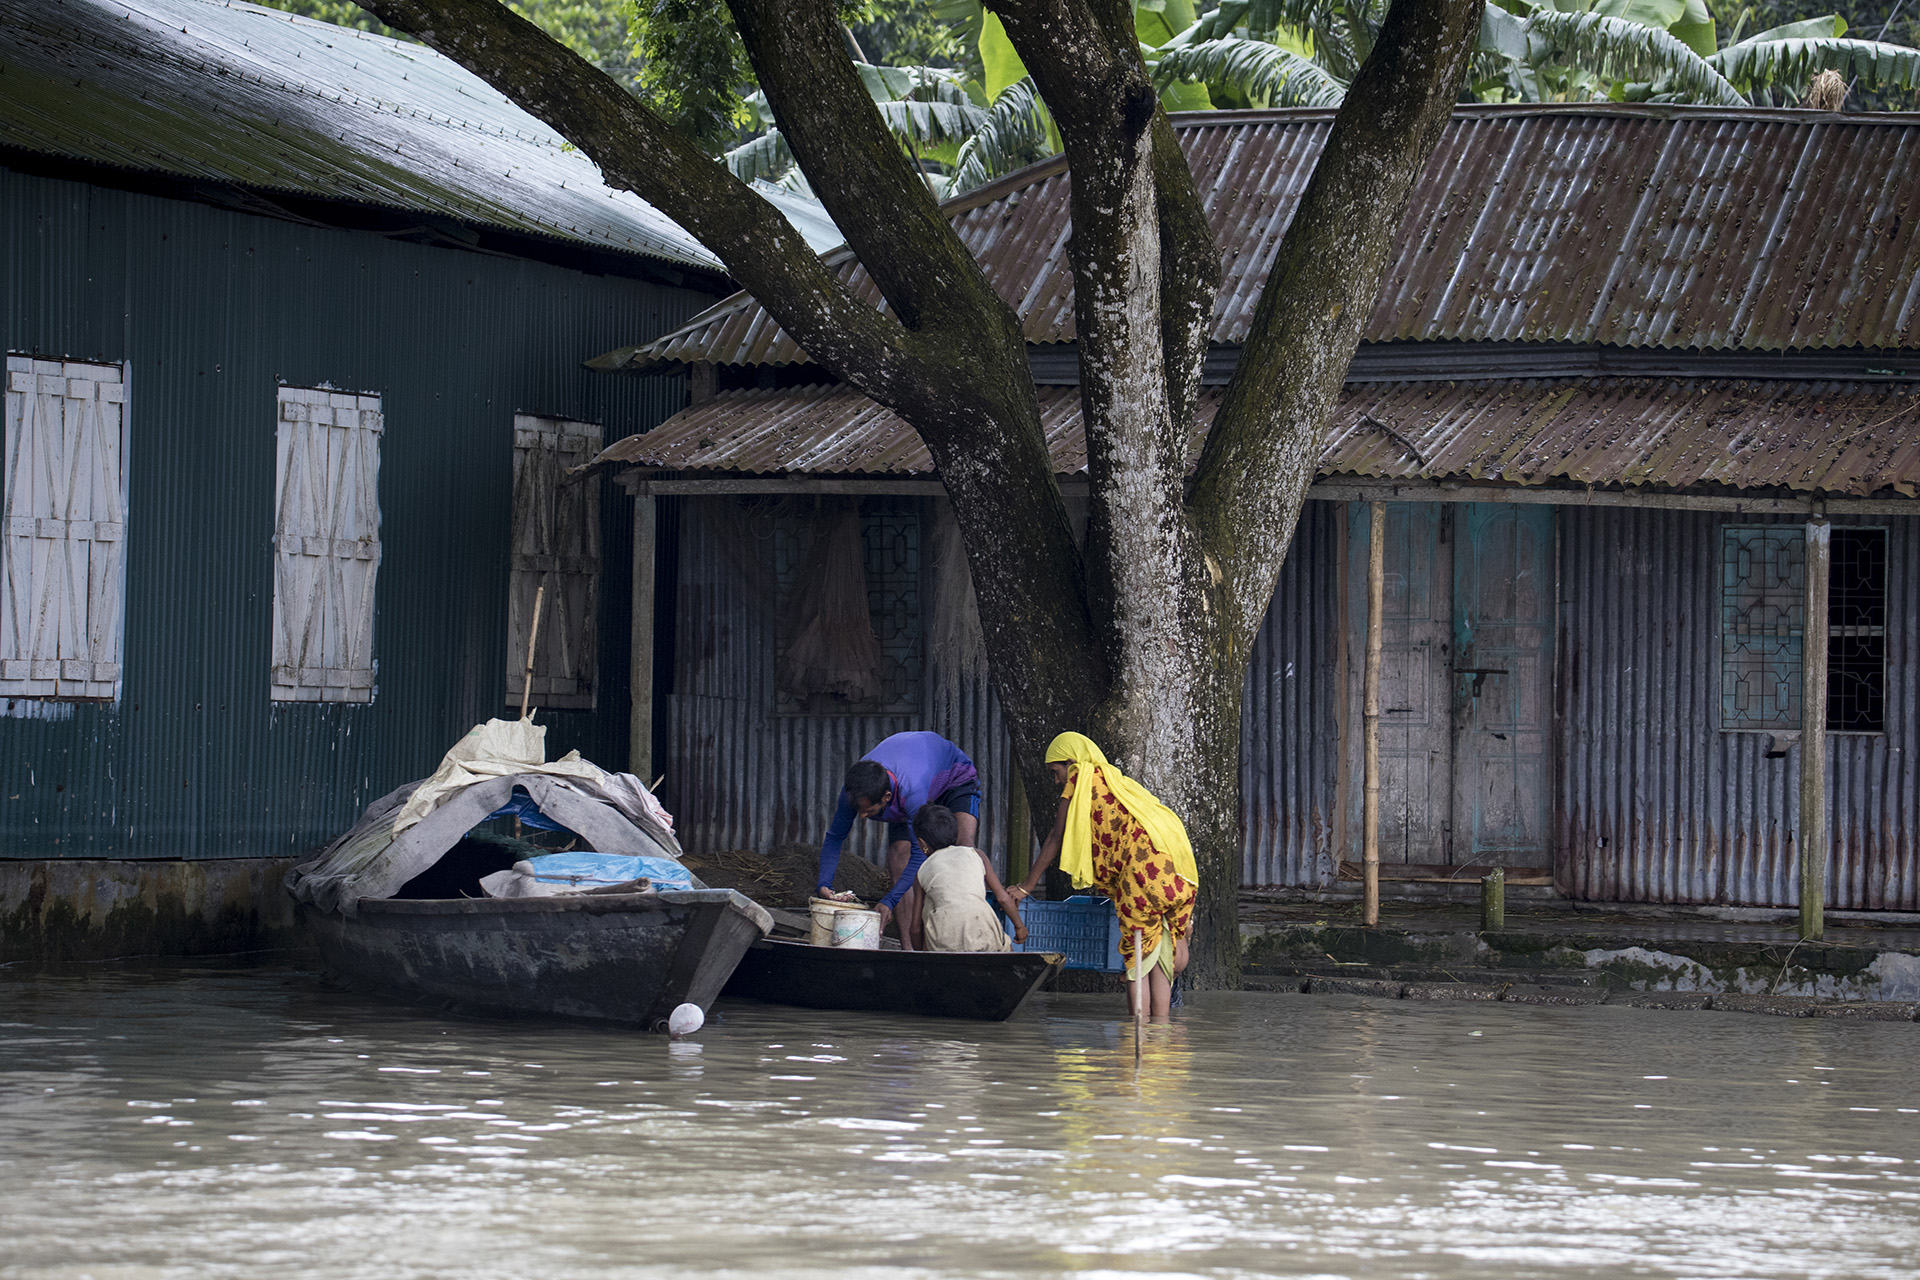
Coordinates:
<point>210,310</point>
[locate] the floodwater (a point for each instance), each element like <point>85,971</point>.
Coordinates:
<point>209,1122</point>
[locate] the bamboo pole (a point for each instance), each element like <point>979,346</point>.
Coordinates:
<point>533,639</point>
<point>1813,735</point>
<point>1139,995</point>
<point>1370,710</point>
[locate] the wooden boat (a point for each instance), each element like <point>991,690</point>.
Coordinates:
<point>983,985</point>
<point>621,957</point>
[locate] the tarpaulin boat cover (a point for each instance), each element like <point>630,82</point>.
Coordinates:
<point>408,830</point>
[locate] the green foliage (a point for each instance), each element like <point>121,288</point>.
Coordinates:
<point>1787,65</point>
<point>1890,21</point>
<point>1017,131</point>
<point>915,33</point>
<point>1624,51</point>
<point>594,29</point>
<point>693,67</point>
<point>1263,74</point>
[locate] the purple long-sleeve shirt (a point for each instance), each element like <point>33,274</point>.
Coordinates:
<point>923,766</point>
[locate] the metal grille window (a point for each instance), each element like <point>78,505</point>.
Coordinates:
<point>1857,632</point>
<point>889,548</point>
<point>1763,589</point>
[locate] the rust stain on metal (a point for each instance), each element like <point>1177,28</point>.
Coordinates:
<point>1815,437</point>
<point>1635,226</point>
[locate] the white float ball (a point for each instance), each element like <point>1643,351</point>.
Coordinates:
<point>686,1020</point>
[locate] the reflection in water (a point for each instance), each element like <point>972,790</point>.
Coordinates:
<point>185,1121</point>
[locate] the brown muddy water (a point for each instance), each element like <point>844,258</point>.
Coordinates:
<point>209,1122</point>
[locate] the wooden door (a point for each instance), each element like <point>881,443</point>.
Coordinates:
<point>1502,683</point>
<point>1416,732</point>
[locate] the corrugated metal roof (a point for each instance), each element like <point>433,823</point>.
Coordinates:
<point>1650,226</point>
<point>239,94</point>
<point>1833,437</point>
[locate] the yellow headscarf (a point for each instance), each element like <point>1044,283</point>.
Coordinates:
<point>1163,826</point>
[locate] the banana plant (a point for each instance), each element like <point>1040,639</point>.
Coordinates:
<point>1303,53</point>
<point>1626,57</point>
<point>927,108</point>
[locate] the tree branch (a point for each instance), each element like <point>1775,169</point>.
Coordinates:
<point>855,165</point>
<point>961,380</point>
<point>1266,440</point>
<point>639,152</point>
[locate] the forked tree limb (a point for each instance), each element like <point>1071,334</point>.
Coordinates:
<point>1266,439</point>
<point>639,152</point>
<point>961,381</point>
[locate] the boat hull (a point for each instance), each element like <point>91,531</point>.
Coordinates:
<point>986,986</point>
<point>629,957</point>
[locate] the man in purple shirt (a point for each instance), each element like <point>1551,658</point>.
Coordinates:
<point>888,785</point>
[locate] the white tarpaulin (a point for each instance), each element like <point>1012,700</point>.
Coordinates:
<point>492,750</point>
<point>406,831</point>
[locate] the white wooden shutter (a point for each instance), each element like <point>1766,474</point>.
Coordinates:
<point>326,545</point>
<point>65,529</point>
<point>556,541</point>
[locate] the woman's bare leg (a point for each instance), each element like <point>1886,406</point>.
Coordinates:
<point>1160,992</point>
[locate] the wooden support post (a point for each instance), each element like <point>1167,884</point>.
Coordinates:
<point>1493,901</point>
<point>1813,735</point>
<point>1370,710</point>
<point>1139,994</point>
<point>1019,826</point>
<point>640,659</point>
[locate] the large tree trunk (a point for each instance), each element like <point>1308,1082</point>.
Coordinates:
<point>1142,639</point>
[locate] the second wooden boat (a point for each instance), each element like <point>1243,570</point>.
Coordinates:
<point>983,985</point>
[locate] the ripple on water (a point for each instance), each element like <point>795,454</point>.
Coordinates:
<point>211,1123</point>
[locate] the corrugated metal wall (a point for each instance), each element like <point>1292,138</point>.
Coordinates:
<point>1653,801</point>
<point>1658,804</point>
<point>1289,734</point>
<point>209,310</point>
<point>740,776</point>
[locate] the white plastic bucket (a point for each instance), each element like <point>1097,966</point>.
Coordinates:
<point>821,914</point>
<point>856,930</point>
<point>835,924</point>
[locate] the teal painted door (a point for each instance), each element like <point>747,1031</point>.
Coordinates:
<point>1466,672</point>
<point>1503,624</point>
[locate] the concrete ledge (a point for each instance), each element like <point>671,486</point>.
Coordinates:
<point>104,909</point>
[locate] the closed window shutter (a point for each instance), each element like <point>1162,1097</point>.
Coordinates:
<point>326,545</point>
<point>556,542</point>
<point>65,530</point>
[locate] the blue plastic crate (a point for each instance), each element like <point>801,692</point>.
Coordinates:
<point>1084,929</point>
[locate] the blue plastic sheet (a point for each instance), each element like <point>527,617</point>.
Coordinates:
<point>523,808</point>
<point>587,869</point>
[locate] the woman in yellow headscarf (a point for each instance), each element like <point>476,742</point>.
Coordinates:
<point>1112,833</point>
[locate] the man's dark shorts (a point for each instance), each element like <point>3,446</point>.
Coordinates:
<point>964,798</point>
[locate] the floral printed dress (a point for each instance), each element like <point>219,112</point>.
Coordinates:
<point>1147,892</point>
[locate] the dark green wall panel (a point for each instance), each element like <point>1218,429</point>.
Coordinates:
<point>210,311</point>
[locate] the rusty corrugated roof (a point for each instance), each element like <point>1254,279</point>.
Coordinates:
<point>1649,226</point>
<point>1832,437</point>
